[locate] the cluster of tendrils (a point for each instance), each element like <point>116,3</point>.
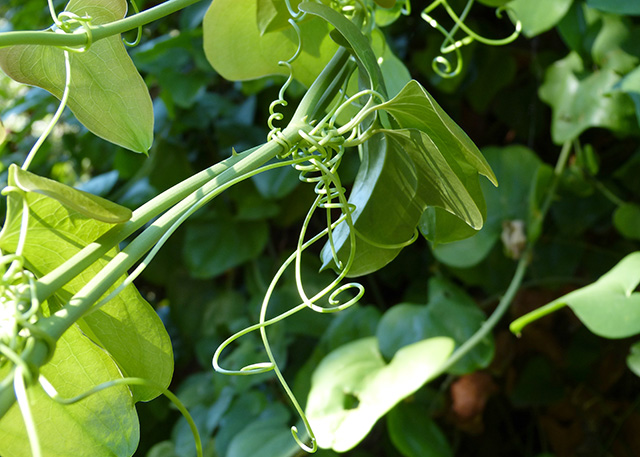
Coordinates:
<point>317,161</point>
<point>440,64</point>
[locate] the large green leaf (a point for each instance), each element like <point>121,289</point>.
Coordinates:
<point>609,307</point>
<point>237,49</point>
<point>107,93</point>
<point>582,101</point>
<point>127,327</point>
<point>353,387</point>
<point>415,108</point>
<point>429,162</point>
<point>102,425</point>
<point>449,312</point>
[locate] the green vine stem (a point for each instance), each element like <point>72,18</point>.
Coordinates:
<point>98,32</point>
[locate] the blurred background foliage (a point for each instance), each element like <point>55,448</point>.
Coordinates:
<point>556,391</point>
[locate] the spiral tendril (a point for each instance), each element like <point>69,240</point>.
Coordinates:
<point>441,64</point>
<point>281,100</point>
<point>135,42</point>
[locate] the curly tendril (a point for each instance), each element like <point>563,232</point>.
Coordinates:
<point>281,101</point>
<point>135,42</point>
<point>317,158</point>
<point>441,64</point>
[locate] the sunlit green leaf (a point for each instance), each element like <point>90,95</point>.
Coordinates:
<point>127,327</point>
<point>3,134</point>
<point>539,16</point>
<point>102,425</point>
<point>86,204</point>
<point>415,434</point>
<point>609,307</point>
<point>429,162</point>
<point>353,387</point>
<point>402,173</point>
<point>359,43</point>
<point>415,108</point>
<point>237,50</point>
<point>107,93</point>
<point>580,102</point>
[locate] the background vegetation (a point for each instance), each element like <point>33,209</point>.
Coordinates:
<point>559,390</point>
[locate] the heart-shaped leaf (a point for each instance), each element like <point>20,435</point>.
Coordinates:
<point>609,307</point>
<point>107,93</point>
<point>353,387</point>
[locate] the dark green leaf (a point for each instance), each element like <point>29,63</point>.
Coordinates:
<point>449,312</point>
<point>415,434</point>
<point>357,372</point>
<point>625,7</point>
<point>627,220</point>
<point>107,93</point>
<point>213,247</point>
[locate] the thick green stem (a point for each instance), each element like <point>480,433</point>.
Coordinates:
<point>98,32</point>
<point>57,278</point>
<point>124,260</point>
<point>323,89</point>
